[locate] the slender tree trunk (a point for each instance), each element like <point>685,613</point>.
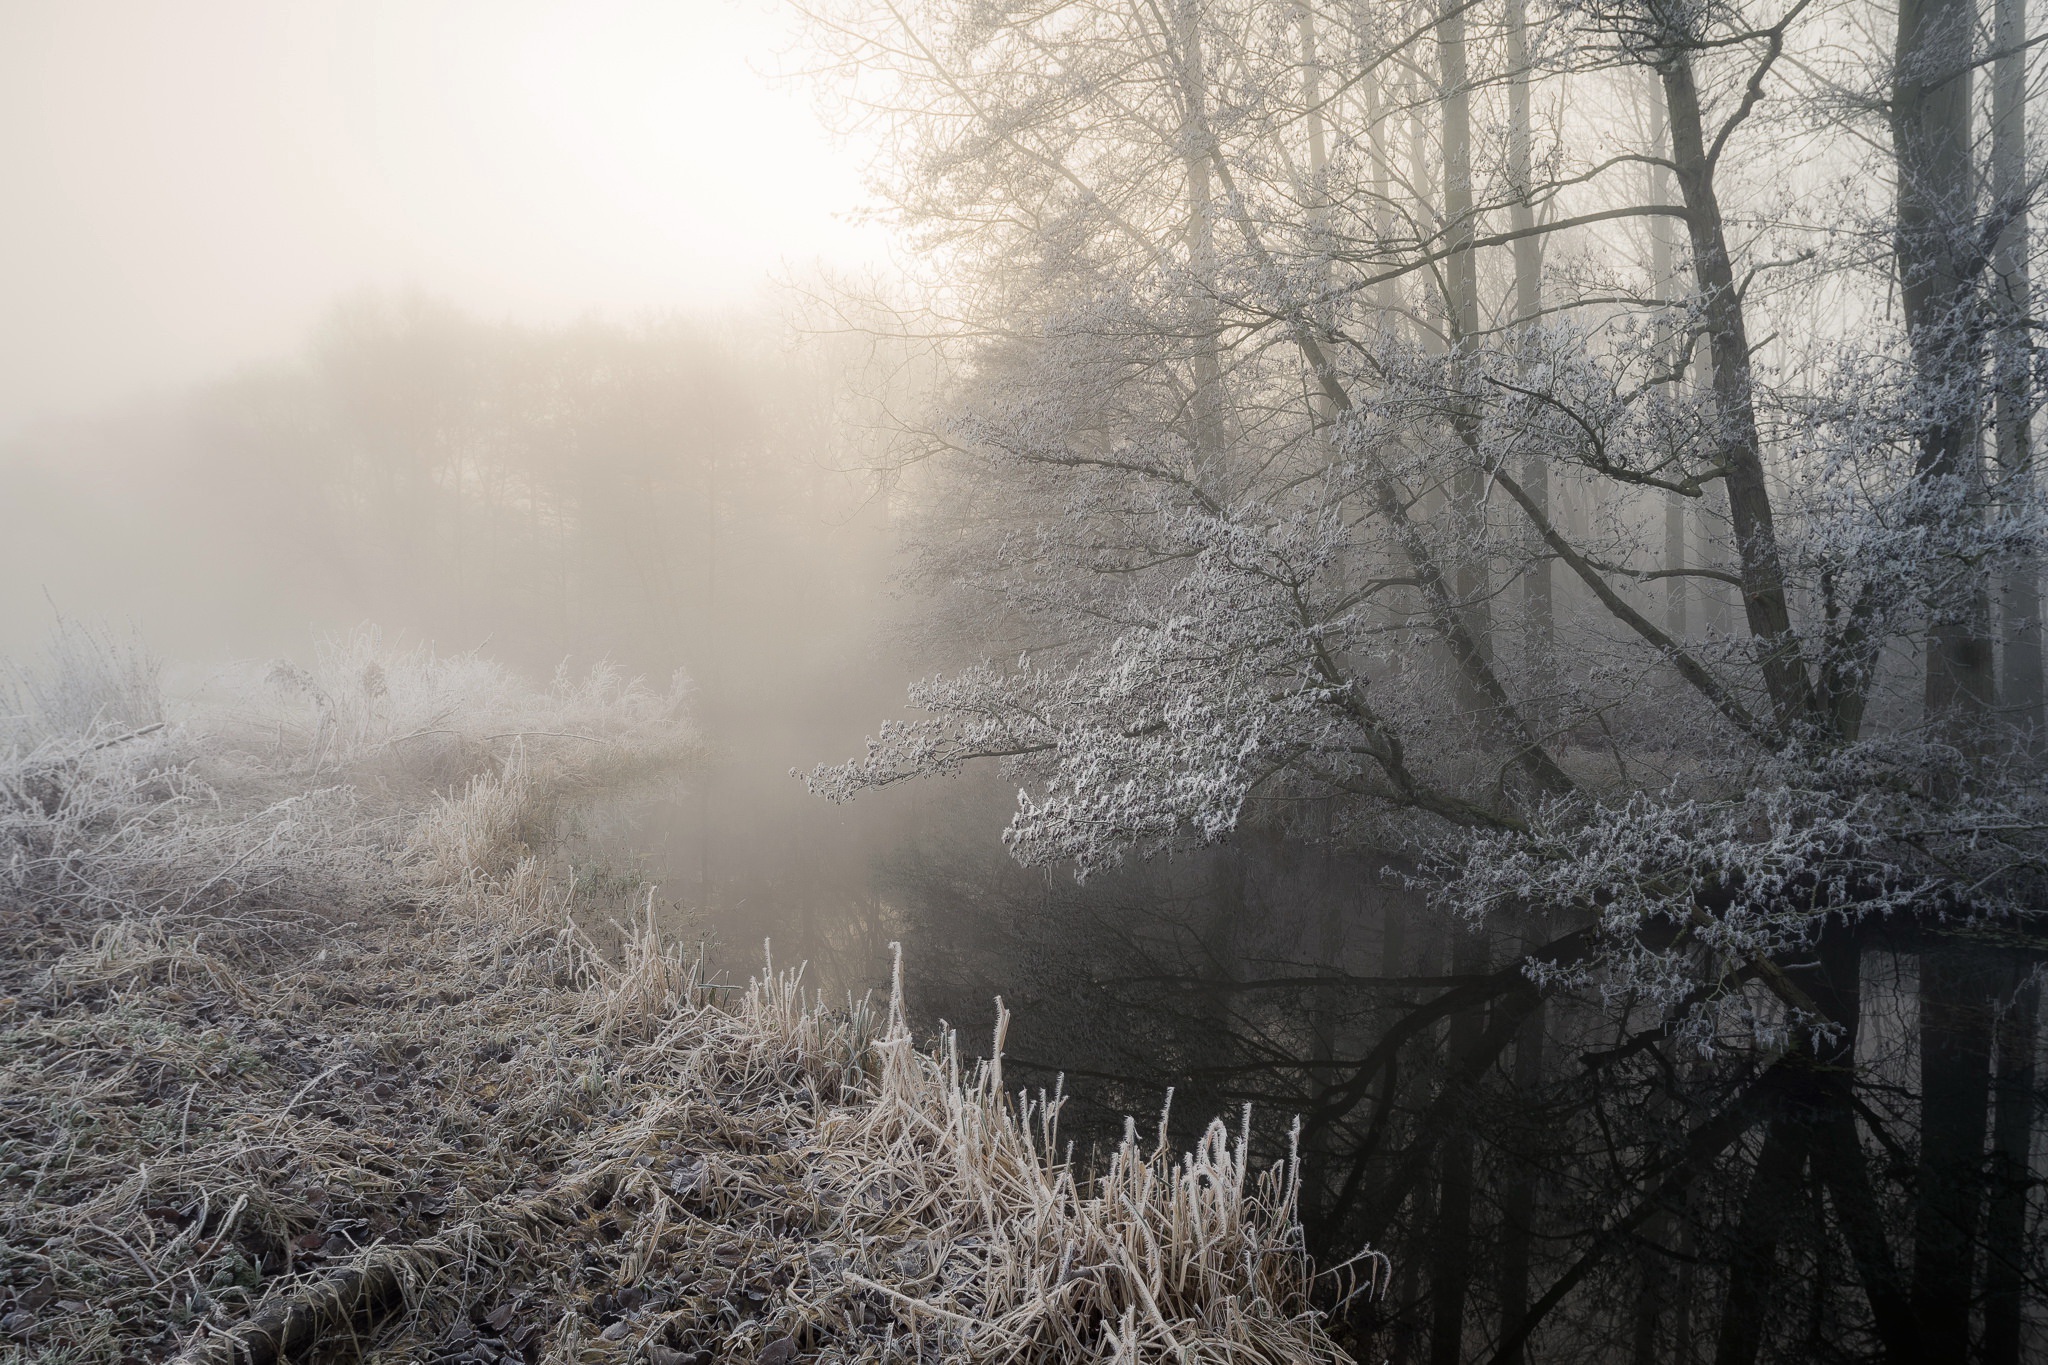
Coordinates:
<point>1686,1290</point>
<point>1324,1022</point>
<point>1461,310</point>
<point>1315,192</point>
<point>1828,1107</point>
<point>1753,1264</point>
<point>1191,74</point>
<point>1316,198</point>
<point>2012,1141</point>
<point>1422,183</point>
<point>1719,613</point>
<point>1406,1343</point>
<point>1676,507</point>
<point>2020,682</point>
<point>1816,1123</point>
<point>1957,986</point>
<point>1450,1256</point>
<point>1518,1197</point>
<point>1739,448</point>
<point>1653,1295</point>
<point>1538,585</point>
<point>1218,962</point>
<point>1519,1179</point>
<point>1937,222</point>
<point>1663,272</point>
<point>1386,296</point>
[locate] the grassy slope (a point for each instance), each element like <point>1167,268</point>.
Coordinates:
<point>281,999</point>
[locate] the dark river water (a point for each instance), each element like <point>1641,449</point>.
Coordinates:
<point>1552,1177</point>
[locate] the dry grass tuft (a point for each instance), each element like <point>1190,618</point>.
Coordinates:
<point>301,1022</point>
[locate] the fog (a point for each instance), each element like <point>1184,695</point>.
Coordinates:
<point>191,187</point>
<point>1459,584</point>
<point>271,250</point>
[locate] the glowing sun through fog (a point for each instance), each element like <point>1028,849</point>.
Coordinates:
<point>189,186</point>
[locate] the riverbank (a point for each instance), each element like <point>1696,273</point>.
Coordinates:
<point>311,1047</point>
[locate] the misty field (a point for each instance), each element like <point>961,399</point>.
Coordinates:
<point>309,1039</point>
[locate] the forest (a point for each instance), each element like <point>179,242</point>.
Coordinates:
<point>1576,463</point>
<point>1391,689</point>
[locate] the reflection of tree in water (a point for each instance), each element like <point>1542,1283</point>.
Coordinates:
<point>1553,1162</point>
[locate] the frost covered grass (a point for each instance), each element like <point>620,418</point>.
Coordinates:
<point>310,1046</point>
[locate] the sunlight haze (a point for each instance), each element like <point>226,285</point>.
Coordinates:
<point>209,177</point>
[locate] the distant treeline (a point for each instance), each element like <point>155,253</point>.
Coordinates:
<point>640,492</point>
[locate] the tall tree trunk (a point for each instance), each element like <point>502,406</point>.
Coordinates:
<point>1718,608</point>
<point>1518,1195</point>
<point>1518,1183</point>
<point>1461,312</point>
<point>1538,586</point>
<point>1838,1158</point>
<point>1753,1259</point>
<point>1663,270</point>
<point>1423,175</point>
<point>1739,449</point>
<point>1191,75</point>
<point>1816,1123</point>
<point>2020,682</point>
<point>1324,1023</point>
<point>1396,960</point>
<point>1957,986</point>
<point>1386,296</point>
<point>1315,191</point>
<point>1937,221</point>
<point>1653,1295</point>
<point>1685,1290</point>
<point>2012,1141</point>
<point>1450,1254</point>
<point>1316,196</point>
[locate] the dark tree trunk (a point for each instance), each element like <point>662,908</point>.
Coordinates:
<point>1830,1105</point>
<point>1538,588</point>
<point>1957,986</point>
<point>1450,1254</point>
<point>1653,1295</point>
<point>1937,222</point>
<point>1461,312</point>
<point>1739,447</point>
<point>1753,1256</point>
<point>1518,1197</point>
<point>2020,676</point>
<point>2012,1138</point>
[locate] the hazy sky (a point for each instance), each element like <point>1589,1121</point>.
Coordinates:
<point>188,184</point>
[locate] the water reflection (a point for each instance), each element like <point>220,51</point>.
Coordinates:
<point>1551,1174</point>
